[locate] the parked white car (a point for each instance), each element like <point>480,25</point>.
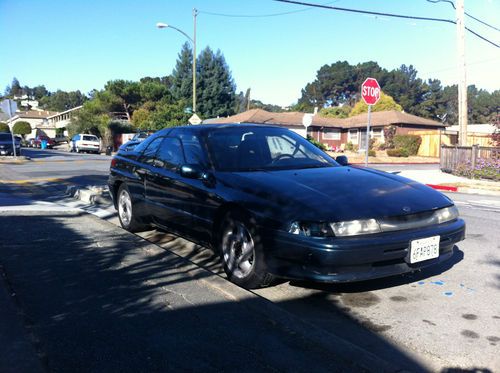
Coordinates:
<point>85,143</point>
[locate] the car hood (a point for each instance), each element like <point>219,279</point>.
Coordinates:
<point>339,193</point>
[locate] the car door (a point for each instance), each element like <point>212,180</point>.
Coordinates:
<point>143,172</point>
<point>164,189</point>
<point>201,200</point>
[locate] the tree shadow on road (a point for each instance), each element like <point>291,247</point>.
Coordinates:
<point>97,298</point>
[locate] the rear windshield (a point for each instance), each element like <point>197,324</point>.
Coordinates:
<point>89,138</point>
<point>5,137</point>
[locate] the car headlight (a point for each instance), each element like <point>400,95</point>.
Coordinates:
<point>355,227</point>
<point>446,214</point>
<point>311,229</point>
<point>370,226</point>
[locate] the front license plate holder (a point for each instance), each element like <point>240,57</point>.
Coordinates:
<point>424,249</point>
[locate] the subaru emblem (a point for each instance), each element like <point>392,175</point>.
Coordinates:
<point>406,209</point>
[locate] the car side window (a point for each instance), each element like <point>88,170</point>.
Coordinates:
<point>170,154</point>
<point>148,155</point>
<point>193,150</point>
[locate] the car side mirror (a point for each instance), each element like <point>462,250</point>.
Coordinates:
<point>342,160</point>
<point>191,171</point>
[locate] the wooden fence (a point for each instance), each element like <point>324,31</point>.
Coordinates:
<point>452,156</point>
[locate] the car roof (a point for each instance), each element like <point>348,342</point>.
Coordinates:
<point>215,126</point>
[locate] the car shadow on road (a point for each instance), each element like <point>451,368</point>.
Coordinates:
<point>96,298</point>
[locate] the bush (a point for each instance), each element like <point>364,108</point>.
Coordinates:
<point>484,169</point>
<point>22,128</point>
<point>372,153</point>
<point>316,143</point>
<point>4,127</point>
<point>398,152</point>
<point>381,146</point>
<point>411,143</point>
<point>389,133</point>
<point>351,147</point>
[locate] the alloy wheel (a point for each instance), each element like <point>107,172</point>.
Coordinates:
<point>238,249</point>
<point>125,208</point>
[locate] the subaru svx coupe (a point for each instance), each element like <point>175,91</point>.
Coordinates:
<point>271,204</point>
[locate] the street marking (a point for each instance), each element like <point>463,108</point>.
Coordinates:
<point>33,181</point>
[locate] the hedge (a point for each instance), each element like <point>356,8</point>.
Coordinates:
<point>411,143</point>
<point>398,152</point>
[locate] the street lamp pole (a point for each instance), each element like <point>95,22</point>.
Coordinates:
<point>195,13</point>
<point>193,41</point>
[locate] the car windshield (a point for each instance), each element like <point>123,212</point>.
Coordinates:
<point>262,149</point>
<point>89,138</point>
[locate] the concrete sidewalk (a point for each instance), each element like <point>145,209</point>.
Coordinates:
<point>448,182</point>
<point>97,298</point>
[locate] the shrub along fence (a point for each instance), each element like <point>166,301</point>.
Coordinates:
<point>471,161</point>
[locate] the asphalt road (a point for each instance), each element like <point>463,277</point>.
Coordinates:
<point>440,319</point>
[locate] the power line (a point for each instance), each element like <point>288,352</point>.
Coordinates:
<point>261,15</point>
<point>385,15</point>
<point>467,14</point>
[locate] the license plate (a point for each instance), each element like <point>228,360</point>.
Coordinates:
<point>3,152</point>
<point>424,249</point>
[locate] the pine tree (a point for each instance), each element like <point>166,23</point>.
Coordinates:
<point>182,75</point>
<point>216,89</point>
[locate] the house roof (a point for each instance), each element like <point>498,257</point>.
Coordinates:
<point>387,118</point>
<point>35,114</point>
<point>381,118</point>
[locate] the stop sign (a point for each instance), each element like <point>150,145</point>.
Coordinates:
<point>370,91</point>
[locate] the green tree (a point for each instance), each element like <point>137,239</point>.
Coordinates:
<point>335,112</point>
<point>215,86</point>
<point>127,92</point>
<point>62,100</point>
<point>22,128</point>
<point>182,75</point>
<point>338,83</point>
<point>386,103</point>
<point>14,89</point>
<point>4,127</point>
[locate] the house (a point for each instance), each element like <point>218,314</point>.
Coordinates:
<point>50,122</point>
<point>477,134</point>
<point>336,132</point>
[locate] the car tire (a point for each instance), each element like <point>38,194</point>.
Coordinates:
<point>241,252</point>
<point>126,211</point>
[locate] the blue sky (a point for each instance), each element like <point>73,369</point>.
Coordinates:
<point>81,44</point>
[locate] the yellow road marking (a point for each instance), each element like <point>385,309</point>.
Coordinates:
<point>32,181</point>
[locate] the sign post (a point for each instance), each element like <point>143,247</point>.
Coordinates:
<point>307,121</point>
<point>11,129</point>
<point>370,92</point>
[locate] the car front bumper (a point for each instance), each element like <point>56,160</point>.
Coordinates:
<point>350,259</point>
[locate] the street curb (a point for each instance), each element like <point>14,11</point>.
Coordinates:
<point>395,163</point>
<point>443,187</point>
<point>465,190</point>
<point>94,195</point>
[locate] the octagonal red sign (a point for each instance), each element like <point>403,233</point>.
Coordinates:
<point>370,91</point>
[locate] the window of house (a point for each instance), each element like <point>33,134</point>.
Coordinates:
<point>377,133</point>
<point>353,136</point>
<point>331,134</point>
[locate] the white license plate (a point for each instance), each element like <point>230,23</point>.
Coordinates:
<point>3,152</point>
<point>423,249</point>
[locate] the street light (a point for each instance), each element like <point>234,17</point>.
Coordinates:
<point>161,25</point>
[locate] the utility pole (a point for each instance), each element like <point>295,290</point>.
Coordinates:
<point>195,13</point>
<point>462,82</point>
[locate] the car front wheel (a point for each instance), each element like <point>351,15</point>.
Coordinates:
<point>241,252</point>
<point>126,214</point>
